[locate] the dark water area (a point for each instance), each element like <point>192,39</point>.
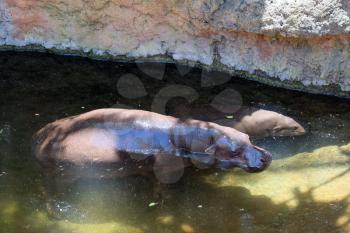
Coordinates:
<point>306,189</point>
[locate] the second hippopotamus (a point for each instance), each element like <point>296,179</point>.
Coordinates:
<point>263,123</point>
<point>255,122</point>
<point>124,142</point>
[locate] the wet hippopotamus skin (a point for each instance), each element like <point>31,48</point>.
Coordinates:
<point>255,122</point>
<point>263,123</point>
<point>120,142</point>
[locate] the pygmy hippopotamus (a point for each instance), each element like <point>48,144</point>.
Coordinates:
<point>255,122</point>
<point>122,142</point>
<point>263,123</point>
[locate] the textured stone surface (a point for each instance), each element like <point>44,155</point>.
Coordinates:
<point>298,40</point>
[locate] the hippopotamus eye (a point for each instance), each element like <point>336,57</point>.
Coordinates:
<point>235,154</point>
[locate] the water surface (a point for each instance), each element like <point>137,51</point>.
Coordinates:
<point>306,189</point>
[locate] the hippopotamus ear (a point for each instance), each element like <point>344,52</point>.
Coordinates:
<point>210,150</point>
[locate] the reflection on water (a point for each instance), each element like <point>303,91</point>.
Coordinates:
<point>306,189</point>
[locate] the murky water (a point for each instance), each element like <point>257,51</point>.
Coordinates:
<point>306,189</point>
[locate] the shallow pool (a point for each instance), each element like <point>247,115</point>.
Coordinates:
<point>306,189</point>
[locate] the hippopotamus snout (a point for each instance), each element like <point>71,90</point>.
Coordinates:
<point>256,159</point>
<point>250,158</point>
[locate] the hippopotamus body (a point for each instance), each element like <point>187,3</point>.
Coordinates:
<point>263,123</point>
<point>120,142</point>
<point>255,122</point>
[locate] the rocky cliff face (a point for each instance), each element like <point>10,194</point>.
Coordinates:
<point>302,44</point>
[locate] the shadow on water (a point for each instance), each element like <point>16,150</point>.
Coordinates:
<point>190,206</point>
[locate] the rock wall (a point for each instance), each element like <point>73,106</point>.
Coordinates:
<point>300,44</point>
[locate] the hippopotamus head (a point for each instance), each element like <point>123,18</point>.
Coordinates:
<point>228,153</point>
<point>286,126</point>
